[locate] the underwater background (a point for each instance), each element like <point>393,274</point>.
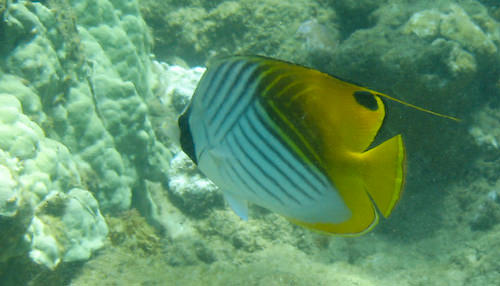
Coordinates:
<point>94,191</point>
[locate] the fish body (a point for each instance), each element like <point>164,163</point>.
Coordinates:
<point>293,140</point>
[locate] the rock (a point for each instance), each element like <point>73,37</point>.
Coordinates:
<point>191,190</point>
<point>458,26</point>
<point>486,128</point>
<point>318,39</point>
<point>424,24</point>
<point>203,31</point>
<point>176,84</point>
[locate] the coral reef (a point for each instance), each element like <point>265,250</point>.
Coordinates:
<point>431,54</point>
<point>480,202</point>
<point>88,128</point>
<point>486,128</point>
<point>263,245</point>
<point>442,56</point>
<point>189,189</point>
<point>39,195</point>
<point>318,38</point>
<point>74,124</point>
<point>454,24</point>
<point>216,28</point>
<point>131,231</point>
<point>194,193</point>
<point>66,227</point>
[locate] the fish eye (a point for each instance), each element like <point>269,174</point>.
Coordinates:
<point>366,99</point>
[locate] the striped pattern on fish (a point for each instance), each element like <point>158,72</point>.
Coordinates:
<point>257,148</point>
<point>295,141</point>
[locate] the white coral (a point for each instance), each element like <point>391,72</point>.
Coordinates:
<point>454,24</point>
<point>36,171</point>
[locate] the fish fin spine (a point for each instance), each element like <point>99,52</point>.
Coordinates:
<point>419,108</point>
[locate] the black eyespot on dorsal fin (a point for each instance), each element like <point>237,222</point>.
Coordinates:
<point>366,99</point>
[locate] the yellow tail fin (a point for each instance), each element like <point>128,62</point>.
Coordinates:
<point>384,173</point>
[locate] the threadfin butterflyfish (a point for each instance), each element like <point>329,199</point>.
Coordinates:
<point>294,140</point>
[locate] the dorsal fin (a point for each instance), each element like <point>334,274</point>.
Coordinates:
<point>419,108</point>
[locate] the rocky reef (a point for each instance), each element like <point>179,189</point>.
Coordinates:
<point>206,29</point>
<point>95,191</point>
<point>75,136</point>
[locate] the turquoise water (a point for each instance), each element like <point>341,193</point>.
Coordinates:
<point>94,189</point>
